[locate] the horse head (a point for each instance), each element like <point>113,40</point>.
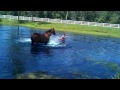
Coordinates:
<point>53,31</point>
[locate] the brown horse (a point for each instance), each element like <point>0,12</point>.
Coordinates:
<point>37,38</point>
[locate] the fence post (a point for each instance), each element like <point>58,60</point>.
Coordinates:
<point>88,23</point>
<point>81,22</point>
<point>95,24</point>
<point>10,16</point>
<point>4,16</point>
<point>103,24</point>
<point>61,21</point>
<point>23,17</point>
<point>33,19</point>
<point>29,19</point>
<point>118,25</point>
<point>48,20</point>
<point>110,25</point>
<point>74,22</point>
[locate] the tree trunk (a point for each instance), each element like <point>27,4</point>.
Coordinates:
<point>18,17</point>
<point>66,17</point>
<point>32,15</point>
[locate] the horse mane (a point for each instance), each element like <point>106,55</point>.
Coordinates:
<point>49,30</point>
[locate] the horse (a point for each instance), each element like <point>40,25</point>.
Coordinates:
<point>37,38</point>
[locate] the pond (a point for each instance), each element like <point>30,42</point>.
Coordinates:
<point>81,57</point>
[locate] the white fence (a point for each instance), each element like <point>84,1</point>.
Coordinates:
<point>61,21</point>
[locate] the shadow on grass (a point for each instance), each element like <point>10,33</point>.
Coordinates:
<point>43,22</point>
<point>33,22</point>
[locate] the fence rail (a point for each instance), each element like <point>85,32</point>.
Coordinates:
<point>61,21</point>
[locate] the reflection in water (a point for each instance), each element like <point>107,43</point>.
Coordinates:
<point>18,66</point>
<point>39,50</point>
<point>18,31</point>
<point>16,59</point>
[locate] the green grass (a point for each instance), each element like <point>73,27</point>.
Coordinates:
<point>79,29</point>
<point>8,22</point>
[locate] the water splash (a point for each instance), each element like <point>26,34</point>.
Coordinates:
<point>24,40</point>
<point>53,42</point>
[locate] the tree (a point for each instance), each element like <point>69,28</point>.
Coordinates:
<point>66,17</point>
<point>73,15</point>
<point>97,16</point>
<point>18,16</point>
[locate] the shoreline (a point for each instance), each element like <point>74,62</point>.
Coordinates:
<point>71,28</point>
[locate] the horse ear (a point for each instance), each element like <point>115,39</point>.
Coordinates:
<point>52,28</point>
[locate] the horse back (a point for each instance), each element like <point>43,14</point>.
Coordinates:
<point>38,38</point>
<point>35,36</point>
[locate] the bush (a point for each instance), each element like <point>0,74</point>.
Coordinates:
<point>0,20</point>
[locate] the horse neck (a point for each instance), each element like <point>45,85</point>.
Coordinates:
<point>48,34</point>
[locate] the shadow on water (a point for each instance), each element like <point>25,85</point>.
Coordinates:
<point>39,50</point>
<point>16,58</point>
<point>18,66</point>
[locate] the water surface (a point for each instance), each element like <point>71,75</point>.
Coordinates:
<point>82,56</point>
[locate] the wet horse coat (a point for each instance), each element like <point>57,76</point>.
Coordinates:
<point>37,38</point>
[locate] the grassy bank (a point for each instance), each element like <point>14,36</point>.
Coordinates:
<point>8,22</point>
<point>81,29</point>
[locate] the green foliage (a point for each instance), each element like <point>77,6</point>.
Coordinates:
<point>115,19</point>
<point>92,16</point>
